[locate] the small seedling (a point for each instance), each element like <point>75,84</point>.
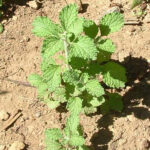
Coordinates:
<point>77,70</point>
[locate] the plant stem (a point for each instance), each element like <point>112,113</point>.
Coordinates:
<point>66,52</point>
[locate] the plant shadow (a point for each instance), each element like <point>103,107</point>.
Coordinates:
<point>9,7</point>
<point>84,8</point>
<point>137,91</point>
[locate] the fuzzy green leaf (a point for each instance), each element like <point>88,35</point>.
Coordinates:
<point>114,75</point>
<point>68,15</point>
<point>94,88</point>
<point>89,110</point>
<point>115,102</point>
<point>90,28</point>
<point>51,104</point>
<point>81,63</point>
<point>83,148</point>
<point>84,78</point>
<point>52,77</point>
<point>110,23</point>
<point>106,48</point>
<point>71,77</point>
<point>46,63</point>
<point>44,27</point>
<point>51,46</point>
<point>76,140</point>
<point>60,95</point>
<point>53,134</point>
<point>83,47</point>
<point>74,105</point>
<point>93,69</point>
<point>72,124</point>
<point>42,90</point>
<point>52,145</point>
<point>35,80</point>
<point>76,27</point>
<point>95,102</point>
<point>105,107</point>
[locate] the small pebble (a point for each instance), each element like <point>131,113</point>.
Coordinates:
<point>131,118</point>
<point>38,114</point>
<point>133,29</point>
<point>14,18</point>
<point>113,9</point>
<point>4,115</point>
<point>128,87</point>
<point>26,39</point>
<point>17,145</point>
<point>33,4</point>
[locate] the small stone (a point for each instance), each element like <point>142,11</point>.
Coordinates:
<point>136,81</point>
<point>26,39</point>
<point>14,18</point>
<point>128,87</point>
<point>38,114</point>
<point>113,9</point>
<point>2,147</point>
<point>131,118</point>
<point>4,115</point>
<point>33,4</point>
<point>133,29</point>
<point>17,145</point>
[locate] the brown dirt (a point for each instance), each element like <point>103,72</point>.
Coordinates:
<point>20,56</point>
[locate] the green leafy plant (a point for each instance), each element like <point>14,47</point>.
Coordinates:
<point>71,138</point>
<point>77,70</point>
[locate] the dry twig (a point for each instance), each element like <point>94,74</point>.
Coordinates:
<point>11,120</point>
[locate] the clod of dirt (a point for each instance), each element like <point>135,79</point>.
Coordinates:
<point>2,147</point>
<point>17,145</point>
<point>4,115</point>
<point>33,4</point>
<point>145,144</point>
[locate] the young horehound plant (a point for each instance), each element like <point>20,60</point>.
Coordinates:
<point>75,69</point>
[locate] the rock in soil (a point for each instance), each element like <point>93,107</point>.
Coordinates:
<point>38,114</point>
<point>113,9</point>
<point>4,115</point>
<point>33,4</point>
<point>17,145</point>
